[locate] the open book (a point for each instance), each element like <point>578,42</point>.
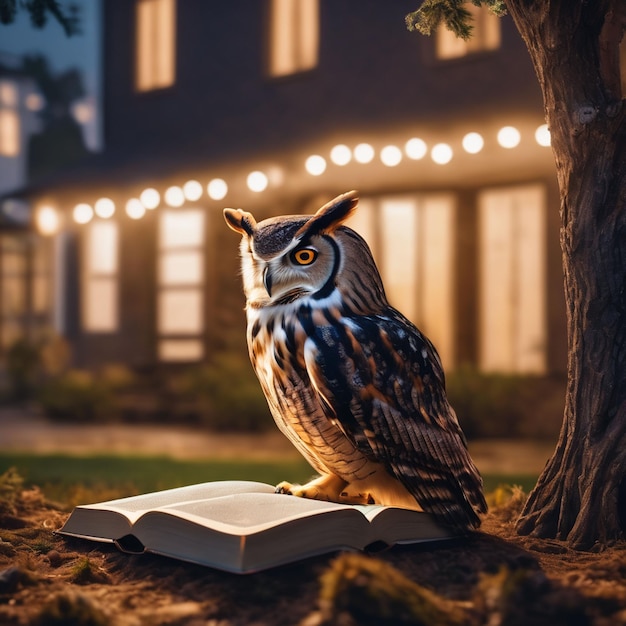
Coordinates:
<point>242,526</point>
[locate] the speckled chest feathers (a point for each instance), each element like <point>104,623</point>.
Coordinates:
<point>350,381</point>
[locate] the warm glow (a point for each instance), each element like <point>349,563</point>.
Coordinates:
<point>174,196</point>
<point>542,135</point>
<point>35,102</point>
<point>48,220</point>
<point>217,189</point>
<point>135,209</point>
<point>473,143</point>
<point>415,148</point>
<point>509,137</point>
<point>82,213</point>
<point>257,181</point>
<point>192,190</point>
<point>104,207</point>
<point>441,153</point>
<point>315,165</point>
<point>83,112</point>
<point>391,156</point>
<point>363,153</point>
<point>155,37</point>
<point>340,154</point>
<point>150,198</point>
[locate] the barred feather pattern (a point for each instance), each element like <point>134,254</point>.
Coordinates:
<point>354,385</point>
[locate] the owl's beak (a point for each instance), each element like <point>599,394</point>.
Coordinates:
<point>267,281</point>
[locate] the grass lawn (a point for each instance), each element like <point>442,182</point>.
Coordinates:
<point>73,480</point>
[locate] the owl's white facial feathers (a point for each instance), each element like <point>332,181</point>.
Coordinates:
<point>280,280</point>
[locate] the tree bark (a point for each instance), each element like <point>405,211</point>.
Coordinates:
<point>574,45</point>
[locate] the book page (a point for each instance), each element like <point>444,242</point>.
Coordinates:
<point>169,497</point>
<point>248,513</point>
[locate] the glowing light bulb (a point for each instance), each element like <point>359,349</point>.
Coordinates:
<point>509,137</point>
<point>257,181</point>
<point>340,154</point>
<point>150,198</point>
<point>416,148</point>
<point>542,136</point>
<point>441,153</point>
<point>82,213</point>
<point>473,143</point>
<point>315,165</point>
<point>104,208</point>
<point>48,221</point>
<point>174,196</point>
<point>135,209</point>
<point>364,153</point>
<point>192,190</point>
<point>217,189</point>
<point>391,156</point>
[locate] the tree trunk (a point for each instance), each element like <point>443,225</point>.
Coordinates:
<point>574,44</point>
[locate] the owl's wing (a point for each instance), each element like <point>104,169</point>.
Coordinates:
<point>382,382</point>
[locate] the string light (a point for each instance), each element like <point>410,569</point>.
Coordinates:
<point>217,189</point>
<point>364,153</point>
<point>315,165</point>
<point>48,221</point>
<point>473,143</point>
<point>192,190</point>
<point>257,181</point>
<point>441,153</point>
<point>174,196</point>
<point>509,137</point>
<point>391,156</point>
<point>82,213</point>
<point>415,148</point>
<point>135,209</point>
<point>150,198</point>
<point>340,154</point>
<point>104,208</point>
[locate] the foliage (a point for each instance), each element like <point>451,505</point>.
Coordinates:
<point>450,13</point>
<point>67,15</point>
<point>504,406</point>
<point>223,395</point>
<point>11,484</point>
<point>22,365</point>
<point>76,395</point>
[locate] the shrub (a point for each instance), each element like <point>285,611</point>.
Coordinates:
<point>501,406</point>
<point>224,395</point>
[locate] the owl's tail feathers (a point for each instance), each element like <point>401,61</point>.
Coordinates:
<point>454,497</point>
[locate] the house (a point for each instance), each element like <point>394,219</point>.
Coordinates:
<point>276,106</point>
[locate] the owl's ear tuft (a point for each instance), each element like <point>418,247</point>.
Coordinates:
<point>240,221</point>
<point>331,215</point>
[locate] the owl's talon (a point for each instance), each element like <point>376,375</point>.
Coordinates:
<point>285,488</point>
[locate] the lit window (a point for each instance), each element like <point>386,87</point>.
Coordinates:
<point>294,36</point>
<point>512,280</point>
<point>9,120</point>
<point>100,302</point>
<point>485,35</point>
<point>181,286</point>
<point>156,44</point>
<point>412,240</point>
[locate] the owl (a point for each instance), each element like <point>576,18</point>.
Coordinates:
<point>352,383</point>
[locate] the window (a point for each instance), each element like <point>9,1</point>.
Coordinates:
<point>512,280</point>
<point>294,36</point>
<point>100,279</point>
<point>485,35</point>
<point>412,239</point>
<point>180,306</point>
<point>9,119</point>
<point>13,289</point>
<point>156,44</point>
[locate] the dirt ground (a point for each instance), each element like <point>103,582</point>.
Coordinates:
<point>493,577</point>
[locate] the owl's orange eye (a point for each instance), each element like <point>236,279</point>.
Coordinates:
<point>304,256</point>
